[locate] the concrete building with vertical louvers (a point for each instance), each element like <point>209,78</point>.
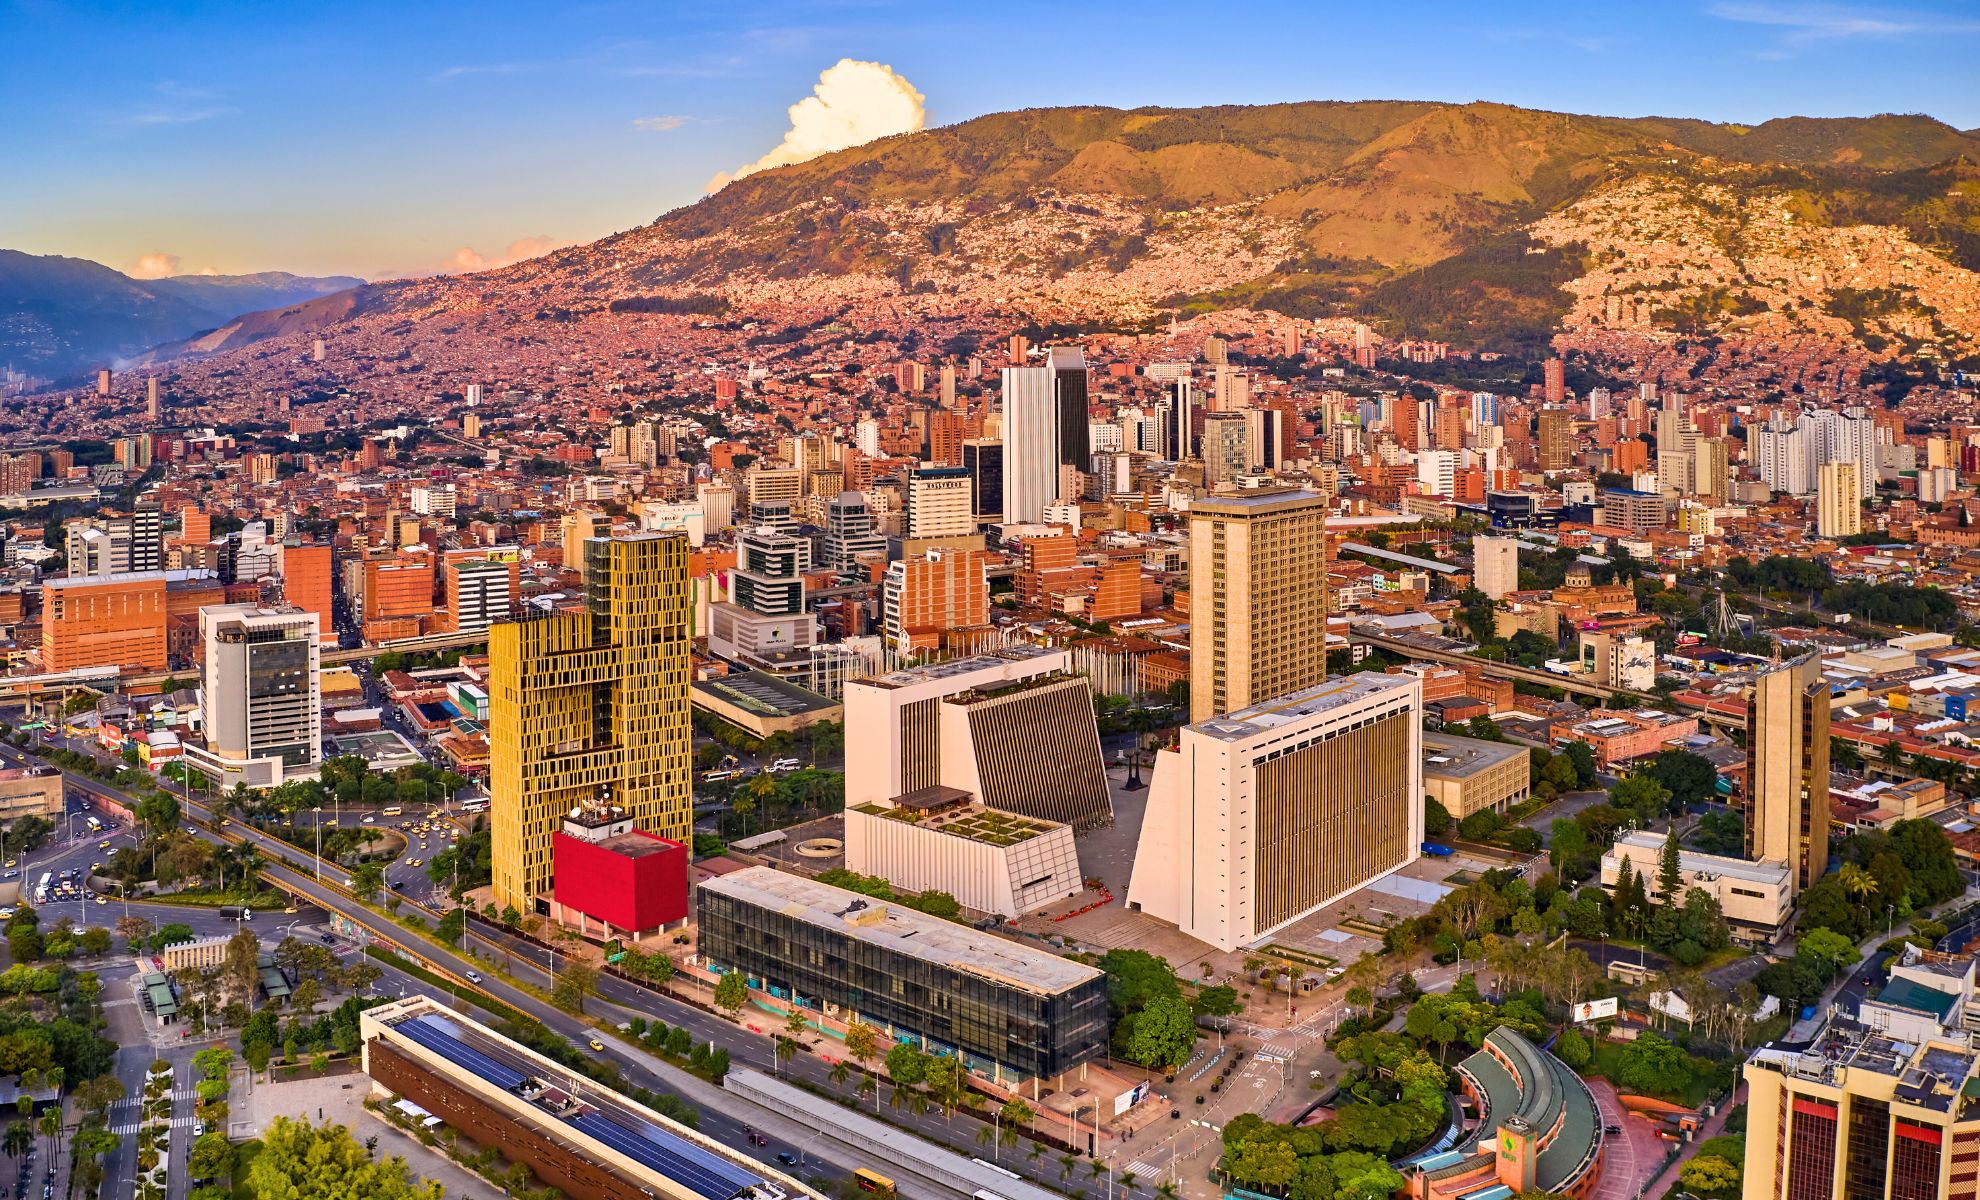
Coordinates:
<point>1014,728</point>
<point>1264,815</point>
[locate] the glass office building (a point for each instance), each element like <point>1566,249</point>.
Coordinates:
<point>1008,1011</point>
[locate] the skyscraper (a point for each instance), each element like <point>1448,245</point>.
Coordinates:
<point>1838,501</point>
<point>983,458</point>
<point>1495,565</point>
<point>849,531</point>
<point>590,707</point>
<point>1556,439</point>
<point>116,545</point>
<point>1044,430</point>
<point>1787,768</point>
<point>1257,598</point>
<point>259,695</point>
<point>1556,381</point>
<point>1226,447</point>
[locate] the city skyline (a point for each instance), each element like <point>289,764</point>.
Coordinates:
<point>435,141</point>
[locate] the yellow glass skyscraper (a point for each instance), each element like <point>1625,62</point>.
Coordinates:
<point>590,706</point>
<point>1257,598</point>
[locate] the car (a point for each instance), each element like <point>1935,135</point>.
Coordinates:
<point>475,977</point>
<point>6,914</point>
<point>787,1158</point>
<point>369,819</point>
<point>1611,1129</point>
<point>101,900</point>
<point>595,1044</point>
<point>224,823</point>
<point>328,939</point>
<point>290,911</point>
<point>11,875</point>
<point>104,844</point>
<point>13,862</point>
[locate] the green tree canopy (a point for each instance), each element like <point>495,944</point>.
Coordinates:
<point>300,1161</point>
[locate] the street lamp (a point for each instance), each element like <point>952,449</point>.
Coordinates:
<point>318,812</point>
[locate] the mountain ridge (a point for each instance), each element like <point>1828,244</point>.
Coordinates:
<point>61,315</point>
<point>1088,213</point>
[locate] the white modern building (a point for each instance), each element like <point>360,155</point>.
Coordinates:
<point>939,838</point>
<point>1045,428</point>
<point>260,703</point>
<point>1262,816</point>
<point>1014,729</point>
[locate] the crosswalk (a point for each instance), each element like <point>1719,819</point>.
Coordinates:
<point>1143,1169</point>
<point>130,1127</point>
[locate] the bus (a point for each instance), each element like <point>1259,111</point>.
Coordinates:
<point>873,1181</point>
<point>393,811</point>
<point>95,825</point>
<point>474,806</point>
<point>41,889</point>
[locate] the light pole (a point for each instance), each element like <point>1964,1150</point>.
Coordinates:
<point>317,812</point>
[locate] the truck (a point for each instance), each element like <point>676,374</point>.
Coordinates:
<point>1436,851</point>
<point>236,912</point>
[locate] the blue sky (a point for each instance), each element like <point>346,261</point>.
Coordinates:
<point>376,138</point>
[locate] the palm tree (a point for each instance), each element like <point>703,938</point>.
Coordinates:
<point>841,1071</point>
<point>1856,882</point>
<point>1067,1162</point>
<point>1127,1182</point>
<point>985,1134</point>
<point>18,1140</point>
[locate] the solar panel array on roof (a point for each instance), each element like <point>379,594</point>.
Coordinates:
<point>675,1157</point>
<point>443,1039</point>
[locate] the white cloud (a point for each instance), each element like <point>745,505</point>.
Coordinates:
<point>156,265</point>
<point>467,258</point>
<point>853,103</point>
<point>660,124</point>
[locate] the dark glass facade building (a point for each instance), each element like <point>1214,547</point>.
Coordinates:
<point>1006,1010</point>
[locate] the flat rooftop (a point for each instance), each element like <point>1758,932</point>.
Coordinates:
<point>1450,757</point>
<point>1773,874</point>
<point>903,930</point>
<point>763,693</point>
<point>1339,691</point>
<point>1254,503</point>
<point>909,676</point>
<point>561,1100</point>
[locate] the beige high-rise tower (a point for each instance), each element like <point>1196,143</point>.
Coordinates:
<point>1838,500</point>
<point>1257,598</point>
<point>1787,769</point>
<point>590,706</point>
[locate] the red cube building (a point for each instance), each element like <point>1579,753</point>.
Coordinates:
<point>614,880</point>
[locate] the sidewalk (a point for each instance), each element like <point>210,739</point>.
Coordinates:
<point>1714,1126</point>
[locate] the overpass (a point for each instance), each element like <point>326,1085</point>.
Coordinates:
<point>432,643</point>
<point>1486,666</point>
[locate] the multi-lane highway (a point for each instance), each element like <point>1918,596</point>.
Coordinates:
<point>724,1116</point>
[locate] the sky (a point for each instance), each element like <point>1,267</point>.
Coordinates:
<point>383,139</point>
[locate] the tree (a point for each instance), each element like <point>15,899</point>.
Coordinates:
<point>1436,818</point>
<point>731,992</point>
<point>300,1161</point>
<point>1690,778</point>
<point>862,1041</point>
<point>1828,947</point>
<point>906,1065</point>
<point>1573,1049</point>
<point>367,880</point>
<point>1641,796</point>
<point>1136,978</point>
<point>577,980</point>
<point>211,1158</point>
<point>1160,1035</point>
<point>1710,1173</point>
<point>1669,877</point>
<point>1653,1066</point>
<point>1582,755</point>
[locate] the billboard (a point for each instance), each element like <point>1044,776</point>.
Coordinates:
<point>1596,1010</point>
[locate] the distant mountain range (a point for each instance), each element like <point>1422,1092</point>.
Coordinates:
<point>1480,224</point>
<point>60,317</point>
